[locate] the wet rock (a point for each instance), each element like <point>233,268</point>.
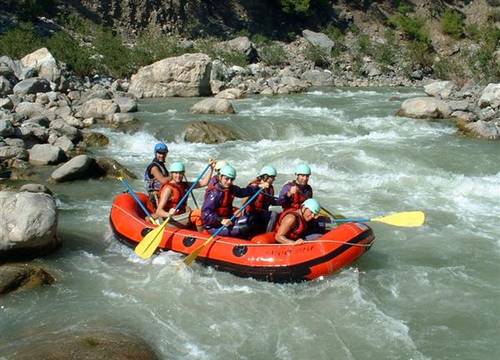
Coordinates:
<point>28,224</point>
<point>209,133</point>
<point>186,75</point>
<point>490,96</point>
<point>484,129</point>
<point>113,169</point>
<point>80,167</point>
<point>464,116</point>
<point>31,86</point>
<point>95,139</point>
<point>230,94</point>
<point>318,77</point>
<point>35,188</point>
<point>45,154</point>
<point>213,106</point>
<point>91,344</point>
<point>441,89</point>
<point>22,277</point>
<point>126,104</point>
<point>424,107</point>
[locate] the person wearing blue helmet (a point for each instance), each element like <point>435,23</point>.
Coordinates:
<point>156,173</point>
<point>295,192</point>
<point>294,225</point>
<point>217,208</point>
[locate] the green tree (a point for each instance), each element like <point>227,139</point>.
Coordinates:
<point>20,41</point>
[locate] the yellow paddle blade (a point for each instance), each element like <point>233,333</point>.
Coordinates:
<point>151,241</point>
<point>191,257</point>
<point>406,219</point>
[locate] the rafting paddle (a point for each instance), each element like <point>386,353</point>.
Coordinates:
<point>404,219</point>
<point>150,242</point>
<point>191,257</point>
<point>137,200</point>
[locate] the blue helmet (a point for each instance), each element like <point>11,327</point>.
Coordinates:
<point>161,148</point>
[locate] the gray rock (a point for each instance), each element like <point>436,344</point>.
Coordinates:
<point>485,129</point>
<point>44,63</point>
<point>490,96</point>
<point>13,152</point>
<point>318,77</point>
<point>45,154</point>
<point>424,107</point>
<point>417,75</point>
<point>242,45</point>
<point>440,89</point>
<point>5,86</point>
<point>487,114</point>
<point>213,106</point>
<point>62,128</point>
<point>319,40</point>
<point>31,86</point>
<point>464,116</point>
<point>80,167</point>
<point>64,143</point>
<point>35,188</point>
<point>6,128</point>
<point>209,133</point>
<point>186,75</point>
<point>28,224</point>
<point>230,94</point>
<point>6,103</point>
<point>126,104</point>
<point>98,108</point>
<point>29,109</point>
<point>113,169</point>
<point>459,105</point>
<point>32,131</point>
<point>15,277</point>
<point>122,118</point>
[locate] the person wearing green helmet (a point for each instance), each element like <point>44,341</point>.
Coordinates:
<point>295,192</point>
<point>217,208</point>
<point>156,173</point>
<point>173,191</point>
<point>258,212</point>
<point>294,224</point>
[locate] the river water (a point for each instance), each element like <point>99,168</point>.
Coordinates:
<point>420,293</point>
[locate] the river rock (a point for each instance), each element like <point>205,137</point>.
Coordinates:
<point>5,86</point>
<point>80,167</point>
<point>45,64</point>
<point>31,86</point>
<point>29,109</point>
<point>28,224</point>
<point>45,154</point>
<point>209,133</point>
<point>230,94</point>
<point>484,129</point>
<point>186,75</point>
<point>319,40</point>
<point>441,89</point>
<point>424,107</point>
<point>243,45</point>
<point>98,108</point>
<point>95,139</point>
<point>22,277</point>
<point>6,103</point>
<point>318,77</point>
<point>36,188</point>
<point>6,128</point>
<point>113,169</point>
<point>490,96</point>
<point>13,152</point>
<point>64,143</point>
<point>91,344</point>
<point>213,106</point>
<point>126,104</point>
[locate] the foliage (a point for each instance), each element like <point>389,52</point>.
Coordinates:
<point>66,49</point>
<point>364,44</point>
<point>152,46</point>
<point>482,62</point>
<point>273,55</point>
<point>452,24</point>
<point>295,6</point>
<point>412,26</point>
<point>20,41</point>
<point>385,53</point>
<point>317,55</point>
<point>333,33</point>
<point>418,56</point>
<point>233,57</point>
<point>448,69</point>
<point>259,39</point>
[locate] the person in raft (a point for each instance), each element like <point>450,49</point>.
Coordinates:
<point>219,165</point>
<point>156,173</point>
<point>259,215</point>
<point>217,207</point>
<point>173,191</point>
<point>295,192</point>
<point>294,225</point>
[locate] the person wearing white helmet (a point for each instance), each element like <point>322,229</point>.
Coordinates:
<point>293,224</point>
<point>173,191</point>
<point>218,165</point>
<point>295,192</point>
<point>258,212</point>
<point>217,208</point>
<point>156,173</point>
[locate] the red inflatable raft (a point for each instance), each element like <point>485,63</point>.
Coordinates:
<point>275,262</point>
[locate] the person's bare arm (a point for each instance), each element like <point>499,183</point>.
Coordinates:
<point>285,226</point>
<point>159,176</point>
<point>164,197</point>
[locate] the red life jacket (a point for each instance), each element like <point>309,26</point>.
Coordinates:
<point>262,201</point>
<point>225,209</point>
<point>300,224</point>
<point>177,192</point>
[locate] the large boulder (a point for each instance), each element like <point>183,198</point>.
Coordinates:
<point>113,169</point>
<point>230,94</point>
<point>209,133</point>
<point>440,89</point>
<point>243,45</point>
<point>187,75</point>
<point>424,107</point>
<point>319,40</point>
<point>483,129</point>
<point>80,167</point>
<point>98,108</point>
<point>126,103</point>
<point>46,154</point>
<point>318,77</point>
<point>45,64</point>
<point>213,106</point>
<point>28,224</point>
<point>490,96</point>
<point>22,277</point>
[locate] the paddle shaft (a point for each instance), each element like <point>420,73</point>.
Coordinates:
<point>136,198</point>
<point>191,257</point>
<point>193,197</point>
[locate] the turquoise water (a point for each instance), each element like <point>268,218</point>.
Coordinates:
<point>419,293</point>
